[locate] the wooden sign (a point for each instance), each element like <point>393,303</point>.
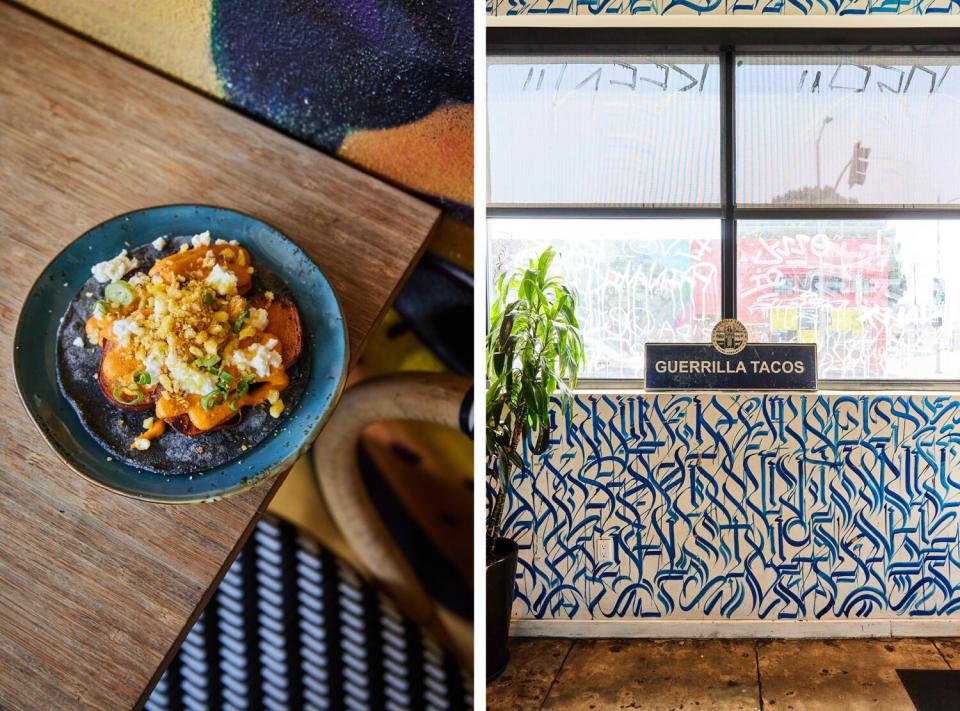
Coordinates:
<point>730,363</point>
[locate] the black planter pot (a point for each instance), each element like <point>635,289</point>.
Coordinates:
<point>500,580</point>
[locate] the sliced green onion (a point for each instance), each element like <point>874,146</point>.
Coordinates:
<point>120,293</point>
<point>212,399</point>
<point>224,381</point>
<point>238,324</point>
<point>243,387</point>
<point>208,362</point>
<point>119,392</point>
<point>100,307</point>
<point>141,377</point>
<point>208,297</point>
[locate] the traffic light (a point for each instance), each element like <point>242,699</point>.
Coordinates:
<point>858,165</point>
<point>939,298</point>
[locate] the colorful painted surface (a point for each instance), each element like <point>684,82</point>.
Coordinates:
<point>721,506</point>
<point>384,84</point>
<point>721,7</point>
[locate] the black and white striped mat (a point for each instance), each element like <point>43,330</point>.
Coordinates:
<point>291,627</point>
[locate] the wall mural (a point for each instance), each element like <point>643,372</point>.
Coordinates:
<point>721,7</point>
<point>384,84</point>
<point>746,507</point>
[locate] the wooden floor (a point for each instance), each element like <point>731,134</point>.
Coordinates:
<point>774,675</point>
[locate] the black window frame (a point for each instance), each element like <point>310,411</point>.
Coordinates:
<point>726,43</point>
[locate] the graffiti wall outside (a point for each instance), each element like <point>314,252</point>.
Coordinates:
<point>386,84</point>
<point>742,507</point>
<point>507,8</point>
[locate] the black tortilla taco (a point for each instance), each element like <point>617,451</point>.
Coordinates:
<point>213,394</point>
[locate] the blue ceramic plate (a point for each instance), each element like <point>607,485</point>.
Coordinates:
<point>35,352</point>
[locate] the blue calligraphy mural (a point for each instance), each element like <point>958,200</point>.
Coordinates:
<point>722,506</point>
<point>509,8</point>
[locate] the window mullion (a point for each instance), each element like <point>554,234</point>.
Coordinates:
<point>728,245</point>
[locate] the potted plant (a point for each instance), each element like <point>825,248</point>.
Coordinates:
<point>534,352</point>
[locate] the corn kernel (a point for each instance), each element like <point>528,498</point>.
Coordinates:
<point>216,329</point>
<point>141,444</point>
<point>221,316</point>
<point>148,423</point>
<point>276,409</point>
<point>228,254</point>
<point>184,247</point>
<point>210,346</point>
<point>269,296</point>
<point>250,270</point>
<point>242,258</point>
<point>247,332</point>
<point>273,396</point>
<point>195,351</point>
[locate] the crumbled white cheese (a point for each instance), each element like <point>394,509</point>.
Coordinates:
<point>202,239</point>
<point>257,319</point>
<point>187,378</point>
<point>78,342</point>
<point>122,328</point>
<point>259,358</point>
<point>223,281</point>
<point>141,443</point>
<point>220,241</point>
<point>115,268</point>
<point>139,279</point>
<point>154,362</point>
<point>159,243</point>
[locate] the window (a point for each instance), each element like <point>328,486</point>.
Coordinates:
<point>582,131</point>
<point>847,130</point>
<point>815,197</point>
<point>637,281</point>
<point>871,293</point>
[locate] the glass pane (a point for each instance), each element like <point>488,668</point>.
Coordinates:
<point>820,130</point>
<point>625,131</point>
<point>636,280</point>
<point>873,294</point>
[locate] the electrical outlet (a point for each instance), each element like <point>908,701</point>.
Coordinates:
<point>604,550</point>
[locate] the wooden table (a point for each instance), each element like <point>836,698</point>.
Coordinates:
<point>97,590</point>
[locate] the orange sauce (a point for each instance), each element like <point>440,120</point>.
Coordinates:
<point>218,414</point>
<point>119,364</point>
<point>191,261</point>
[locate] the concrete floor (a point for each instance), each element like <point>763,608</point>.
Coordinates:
<point>773,675</point>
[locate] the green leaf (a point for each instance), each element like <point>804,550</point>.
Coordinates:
<point>534,352</point>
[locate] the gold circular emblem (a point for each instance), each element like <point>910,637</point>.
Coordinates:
<point>729,336</point>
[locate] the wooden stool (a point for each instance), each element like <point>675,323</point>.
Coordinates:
<point>423,397</point>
